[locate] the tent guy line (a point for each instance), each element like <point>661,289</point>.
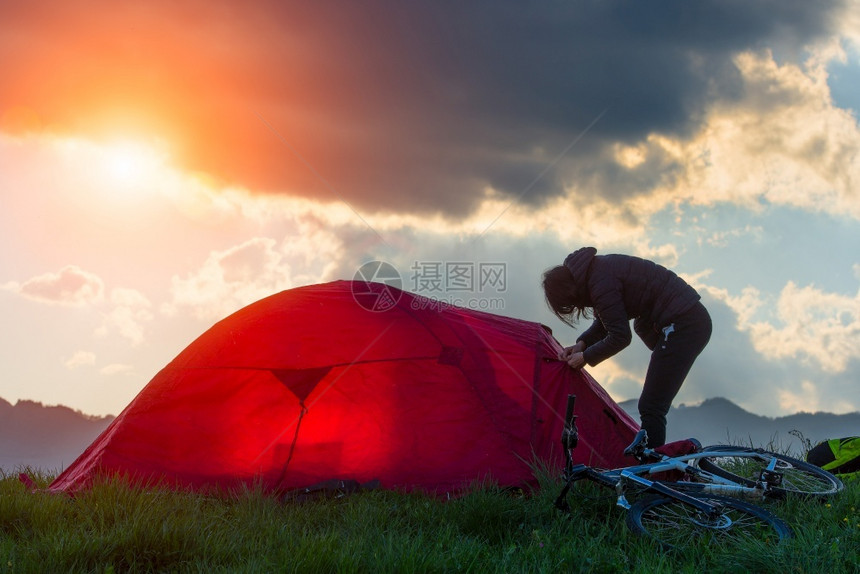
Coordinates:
<point>317,174</point>
<point>546,169</point>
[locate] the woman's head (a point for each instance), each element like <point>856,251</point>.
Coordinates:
<point>562,296</point>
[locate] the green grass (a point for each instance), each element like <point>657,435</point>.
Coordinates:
<point>118,528</point>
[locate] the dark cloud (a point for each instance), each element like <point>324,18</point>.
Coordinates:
<point>404,106</point>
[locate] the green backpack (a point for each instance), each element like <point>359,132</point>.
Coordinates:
<point>841,456</point>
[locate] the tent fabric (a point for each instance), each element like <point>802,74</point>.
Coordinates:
<point>313,384</point>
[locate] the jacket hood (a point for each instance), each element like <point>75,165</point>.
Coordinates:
<point>578,263</point>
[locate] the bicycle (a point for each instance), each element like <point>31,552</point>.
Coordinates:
<point>705,499</point>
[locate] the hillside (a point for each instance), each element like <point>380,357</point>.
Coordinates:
<point>51,437</point>
<point>720,421</point>
<point>44,437</point>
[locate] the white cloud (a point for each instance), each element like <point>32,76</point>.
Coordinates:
<point>620,382</point>
<point>256,268</point>
<point>229,279</point>
<point>784,142</point>
<point>130,310</point>
<point>80,359</point>
<point>70,286</point>
<point>806,399</point>
<point>810,324</point>
<point>745,305</point>
<point>823,327</point>
<point>721,238</point>
<point>850,23</point>
<point>116,369</point>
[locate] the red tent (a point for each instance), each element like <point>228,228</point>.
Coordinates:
<point>355,381</point>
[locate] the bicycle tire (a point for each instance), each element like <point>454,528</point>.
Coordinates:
<point>799,478</point>
<point>676,525</point>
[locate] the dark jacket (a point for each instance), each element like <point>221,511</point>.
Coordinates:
<point>622,287</point>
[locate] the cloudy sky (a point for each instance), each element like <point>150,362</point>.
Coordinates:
<point>163,164</point>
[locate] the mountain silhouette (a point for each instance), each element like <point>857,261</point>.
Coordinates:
<point>720,421</point>
<point>46,438</point>
<point>49,438</point>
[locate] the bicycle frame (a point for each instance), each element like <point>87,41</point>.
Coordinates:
<point>706,482</point>
<point>620,478</point>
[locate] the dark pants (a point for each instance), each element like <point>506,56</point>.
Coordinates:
<point>671,359</point>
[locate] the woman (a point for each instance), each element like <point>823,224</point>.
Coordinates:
<point>667,314</point>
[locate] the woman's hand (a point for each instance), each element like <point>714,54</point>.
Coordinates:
<point>576,360</point>
<point>567,354</point>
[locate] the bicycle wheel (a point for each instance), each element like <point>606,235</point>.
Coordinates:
<point>675,524</point>
<point>744,466</point>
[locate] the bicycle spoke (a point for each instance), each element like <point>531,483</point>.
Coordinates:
<point>682,523</point>
<point>675,524</point>
<point>797,476</point>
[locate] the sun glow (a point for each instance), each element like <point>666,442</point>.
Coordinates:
<point>132,165</point>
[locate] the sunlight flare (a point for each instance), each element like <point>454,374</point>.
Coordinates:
<point>132,164</point>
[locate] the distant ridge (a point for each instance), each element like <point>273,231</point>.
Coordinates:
<point>720,421</point>
<point>50,438</point>
<point>46,438</point>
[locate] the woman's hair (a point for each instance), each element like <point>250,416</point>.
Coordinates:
<point>560,290</point>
